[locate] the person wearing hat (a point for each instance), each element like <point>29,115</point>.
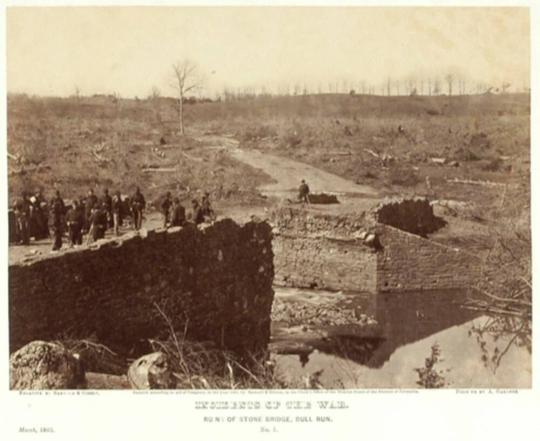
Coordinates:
<point>106,201</point>
<point>166,208</point>
<point>206,207</point>
<point>196,215</point>
<point>41,214</point>
<point>138,204</point>
<point>98,222</point>
<point>116,207</point>
<point>89,204</point>
<point>58,211</point>
<point>303,192</point>
<point>75,221</point>
<point>22,216</point>
<point>178,214</point>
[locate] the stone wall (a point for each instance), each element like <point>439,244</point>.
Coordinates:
<point>214,281</point>
<point>358,252</point>
<point>408,262</point>
<point>412,215</point>
<point>303,222</point>
<point>317,250</point>
<point>324,263</point>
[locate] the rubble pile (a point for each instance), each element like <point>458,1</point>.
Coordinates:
<point>324,314</point>
<point>412,215</point>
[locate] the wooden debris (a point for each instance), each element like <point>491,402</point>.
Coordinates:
<point>472,182</point>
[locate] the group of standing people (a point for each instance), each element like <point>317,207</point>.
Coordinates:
<point>90,215</point>
<point>93,216</point>
<point>174,213</point>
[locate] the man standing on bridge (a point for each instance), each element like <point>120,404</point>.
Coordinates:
<point>98,222</point>
<point>90,202</point>
<point>22,216</point>
<point>58,211</point>
<point>197,215</point>
<point>75,220</point>
<point>166,208</point>
<point>137,206</point>
<point>178,214</point>
<point>116,207</point>
<point>206,207</point>
<point>303,192</point>
<point>106,203</point>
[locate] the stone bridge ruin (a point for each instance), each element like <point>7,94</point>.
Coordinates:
<point>383,249</point>
<point>215,282</point>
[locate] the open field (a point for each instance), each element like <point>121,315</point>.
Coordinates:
<point>396,145</point>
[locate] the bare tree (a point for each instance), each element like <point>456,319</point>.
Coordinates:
<point>186,79</point>
<point>436,86</point>
<point>155,93</point>
<point>153,98</point>
<point>388,87</point>
<point>462,86</point>
<point>449,81</point>
<point>410,86</point>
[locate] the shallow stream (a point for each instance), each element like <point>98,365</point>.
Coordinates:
<point>477,351</point>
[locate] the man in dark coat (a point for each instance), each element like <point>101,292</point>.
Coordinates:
<point>75,220</point>
<point>106,201</point>
<point>206,207</point>
<point>41,213</point>
<point>303,192</point>
<point>58,211</point>
<point>197,215</point>
<point>178,214</point>
<point>89,204</point>
<point>117,212</point>
<point>166,208</point>
<point>22,216</point>
<point>138,204</point>
<point>98,222</point>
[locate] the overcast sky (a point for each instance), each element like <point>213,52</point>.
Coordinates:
<point>50,51</point>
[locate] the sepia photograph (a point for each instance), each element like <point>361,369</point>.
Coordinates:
<point>268,198</point>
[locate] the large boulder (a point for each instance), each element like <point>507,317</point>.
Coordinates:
<point>43,365</point>
<point>151,371</point>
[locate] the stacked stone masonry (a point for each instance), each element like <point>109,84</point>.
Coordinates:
<point>214,282</point>
<point>409,262</point>
<point>329,252</point>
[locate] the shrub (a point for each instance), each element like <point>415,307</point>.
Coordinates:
<point>428,376</point>
<point>493,165</point>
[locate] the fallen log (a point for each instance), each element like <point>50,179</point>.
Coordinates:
<point>12,156</point>
<point>472,182</point>
<point>440,161</point>
<point>159,170</point>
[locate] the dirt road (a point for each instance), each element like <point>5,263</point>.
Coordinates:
<point>287,173</point>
